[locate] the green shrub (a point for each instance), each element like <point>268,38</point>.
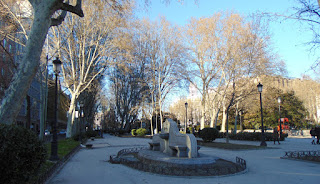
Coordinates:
<point>21,154</point>
<point>133,132</point>
<point>209,134</point>
<point>76,137</point>
<point>91,133</point>
<point>191,130</point>
<point>120,131</point>
<point>255,136</point>
<point>141,132</point>
<point>197,128</point>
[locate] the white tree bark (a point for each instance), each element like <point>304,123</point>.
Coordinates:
<point>224,117</point>
<point>203,109</point>
<point>213,117</point>
<point>71,115</point>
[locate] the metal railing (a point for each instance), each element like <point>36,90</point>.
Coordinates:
<point>130,150</point>
<point>304,155</point>
<point>241,162</point>
<point>117,158</point>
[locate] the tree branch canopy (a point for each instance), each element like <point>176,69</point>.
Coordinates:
<point>66,7</point>
<point>73,9</point>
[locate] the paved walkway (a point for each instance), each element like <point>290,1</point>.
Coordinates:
<point>264,166</point>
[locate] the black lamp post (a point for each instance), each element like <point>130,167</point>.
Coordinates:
<point>185,125</point>
<point>263,142</point>
<point>80,122</point>
<point>279,101</point>
<point>54,143</point>
<point>240,113</point>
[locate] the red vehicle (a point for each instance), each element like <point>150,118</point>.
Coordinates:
<point>284,124</point>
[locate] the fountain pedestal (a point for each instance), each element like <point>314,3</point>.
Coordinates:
<point>173,143</point>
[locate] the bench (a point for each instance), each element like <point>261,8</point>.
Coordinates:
<point>179,151</point>
<point>89,146</point>
<point>198,147</point>
<point>155,146</point>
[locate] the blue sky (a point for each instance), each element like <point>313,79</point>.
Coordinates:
<point>288,36</point>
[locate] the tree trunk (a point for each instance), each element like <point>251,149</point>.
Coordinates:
<point>224,118</point>
<point>216,120</point>
<point>213,117</point>
<point>71,115</point>
<point>236,119</point>
<point>28,67</point>
<point>28,118</point>
<point>228,109</point>
<point>151,124</point>
<point>44,101</point>
<point>203,108</point>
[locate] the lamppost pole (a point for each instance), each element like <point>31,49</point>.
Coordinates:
<point>185,125</point>
<point>240,113</point>
<point>54,143</point>
<point>80,122</point>
<point>263,142</point>
<point>279,101</point>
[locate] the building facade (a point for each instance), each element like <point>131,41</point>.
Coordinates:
<point>11,49</point>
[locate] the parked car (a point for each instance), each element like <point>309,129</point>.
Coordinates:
<point>46,132</point>
<point>62,131</point>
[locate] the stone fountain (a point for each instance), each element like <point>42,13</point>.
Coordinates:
<point>171,142</point>
<point>173,153</point>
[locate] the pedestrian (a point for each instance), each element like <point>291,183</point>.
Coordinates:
<point>313,134</point>
<point>317,133</point>
<point>275,135</point>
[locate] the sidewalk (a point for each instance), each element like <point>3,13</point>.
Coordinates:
<point>264,166</point>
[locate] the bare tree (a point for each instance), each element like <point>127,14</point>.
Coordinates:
<point>248,56</point>
<point>203,37</point>
<point>166,52</point>
<point>308,11</point>
<point>159,45</point>
<point>43,14</point>
<point>16,17</point>
<point>128,88</point>
<point>87,50</point>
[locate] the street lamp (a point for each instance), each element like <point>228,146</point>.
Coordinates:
<point>240,113</point>
<point>54,143</point>
<point>81,119</point>
<point>263,143</point>
<point>185,125</point>
<point>279,101</point>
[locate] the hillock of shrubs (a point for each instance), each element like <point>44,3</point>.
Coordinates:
<point>21,154</point>
<point>139,132</point>
<point>209,134</point>
<point>254,136</point>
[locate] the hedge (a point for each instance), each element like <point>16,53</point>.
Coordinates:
<point>21,154</point>
<point>209,134</point>
<point>254,136</point>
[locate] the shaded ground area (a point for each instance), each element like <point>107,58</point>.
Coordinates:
<point>230,146</point>
<point>264,165</point>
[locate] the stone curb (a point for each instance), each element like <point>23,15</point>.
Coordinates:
<point>57,166</point>
<point>214,167</point>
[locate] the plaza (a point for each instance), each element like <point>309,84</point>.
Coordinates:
<point>263,165</point>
